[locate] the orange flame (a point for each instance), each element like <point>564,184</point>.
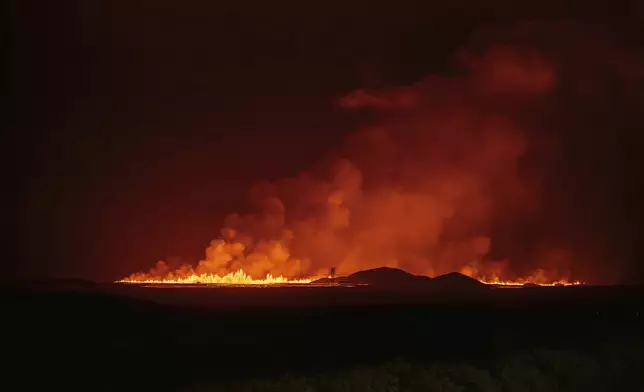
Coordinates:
<point>233,278</point>
<point>494,276</point>
<point>522,282</point>
<point>240,278</point>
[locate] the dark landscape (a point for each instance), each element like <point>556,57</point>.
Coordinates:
<point>185,338</point>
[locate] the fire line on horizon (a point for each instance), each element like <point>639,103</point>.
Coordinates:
<point>240,278</point>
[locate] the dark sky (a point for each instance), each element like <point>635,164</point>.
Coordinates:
<point>140,124</point>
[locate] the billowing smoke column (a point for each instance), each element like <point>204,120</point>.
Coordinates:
<point>453,174</point>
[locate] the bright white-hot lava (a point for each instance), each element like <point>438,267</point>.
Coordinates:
<point>233,278</point>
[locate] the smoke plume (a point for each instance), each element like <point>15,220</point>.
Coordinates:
<point>473,171</point>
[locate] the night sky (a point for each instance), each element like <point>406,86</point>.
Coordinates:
<point>139,125</point>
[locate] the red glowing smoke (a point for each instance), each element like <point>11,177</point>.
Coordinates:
<point>455,173</point>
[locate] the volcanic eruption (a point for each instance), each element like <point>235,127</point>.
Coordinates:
<point>452,173</point>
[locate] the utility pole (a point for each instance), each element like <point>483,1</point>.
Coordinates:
<point>332,276</point>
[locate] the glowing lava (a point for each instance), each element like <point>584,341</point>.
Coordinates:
<point>522,282</point>
<point>233,278</point>
<point>241,278</point>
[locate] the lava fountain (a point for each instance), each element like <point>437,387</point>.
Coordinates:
<point>239,278</point>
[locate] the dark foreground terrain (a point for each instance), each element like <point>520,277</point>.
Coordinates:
<point>122,337</point>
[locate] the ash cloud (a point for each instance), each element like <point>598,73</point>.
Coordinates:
<point>483,171</point>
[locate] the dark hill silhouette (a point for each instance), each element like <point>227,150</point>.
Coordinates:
<point>387,277</point>
<point>380,277</point>
<point>458,282</point>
